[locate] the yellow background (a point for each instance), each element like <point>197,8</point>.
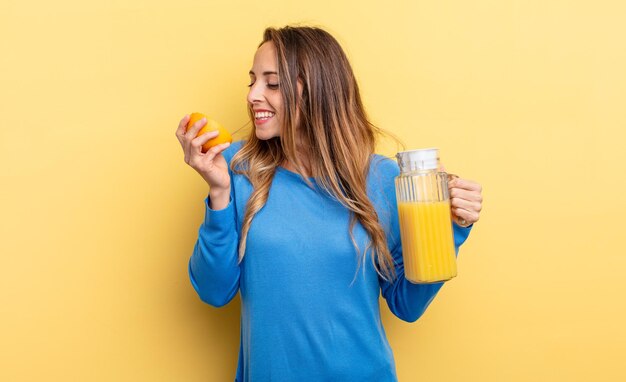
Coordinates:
<point>100,212</point>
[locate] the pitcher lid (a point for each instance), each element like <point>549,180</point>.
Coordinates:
<point>420,159</point>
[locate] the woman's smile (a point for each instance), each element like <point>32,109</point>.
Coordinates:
<point>262,116</point>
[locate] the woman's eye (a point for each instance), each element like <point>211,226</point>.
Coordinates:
<point>271,86</point>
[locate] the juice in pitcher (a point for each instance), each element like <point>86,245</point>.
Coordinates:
<point>424,217</point>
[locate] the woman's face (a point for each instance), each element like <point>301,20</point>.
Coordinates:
<point>264,96</point>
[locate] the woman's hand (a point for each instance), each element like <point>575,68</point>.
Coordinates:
<point>465,201</point>
<point>210,165</point>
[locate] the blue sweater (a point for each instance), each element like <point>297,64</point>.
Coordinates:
<point>306,313</point>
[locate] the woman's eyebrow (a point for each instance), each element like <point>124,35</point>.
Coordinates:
<point>264,73</point>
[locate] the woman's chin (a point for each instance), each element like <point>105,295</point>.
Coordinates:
<point>264,135</point>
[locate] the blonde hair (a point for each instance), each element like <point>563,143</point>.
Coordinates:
<point>333,132</point>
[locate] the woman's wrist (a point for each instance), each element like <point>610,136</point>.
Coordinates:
<point>219,198</point>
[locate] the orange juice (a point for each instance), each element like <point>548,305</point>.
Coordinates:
<point>427,241</point>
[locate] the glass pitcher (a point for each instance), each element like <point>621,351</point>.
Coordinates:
<point>424,214</point>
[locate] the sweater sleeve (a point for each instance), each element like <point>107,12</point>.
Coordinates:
<point>406,300</point>
<point>213,267</point>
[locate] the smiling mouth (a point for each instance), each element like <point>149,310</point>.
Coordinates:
<point>263,115</point>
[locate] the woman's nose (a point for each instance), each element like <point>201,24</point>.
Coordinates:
<point>255,94</point>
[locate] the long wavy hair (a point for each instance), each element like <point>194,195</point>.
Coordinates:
<point>332,131</point>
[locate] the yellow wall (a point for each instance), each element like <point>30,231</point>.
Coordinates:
<point>99,213</point>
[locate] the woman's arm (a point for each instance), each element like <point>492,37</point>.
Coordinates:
<point>406,300</point>
<point>213,268</point>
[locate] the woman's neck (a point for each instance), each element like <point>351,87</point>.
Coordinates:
<point>304,161</point>
<point>291,167</point>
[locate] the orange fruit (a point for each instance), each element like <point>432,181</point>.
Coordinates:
<point>211,125</point>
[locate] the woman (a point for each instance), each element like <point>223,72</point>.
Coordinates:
<point>301,219</point>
